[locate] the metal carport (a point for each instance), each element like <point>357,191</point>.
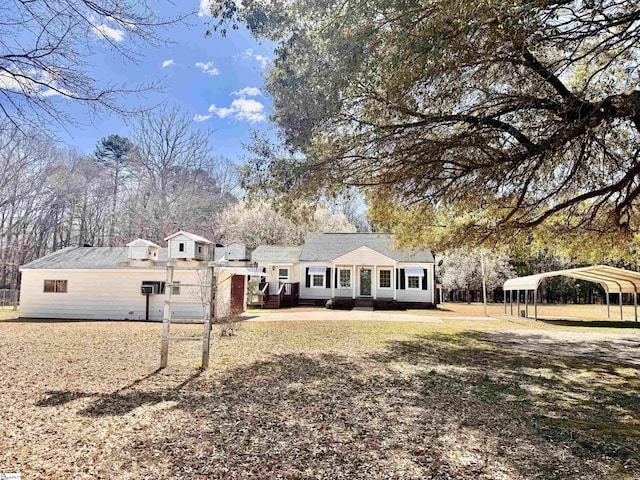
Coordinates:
<point>613,280</point>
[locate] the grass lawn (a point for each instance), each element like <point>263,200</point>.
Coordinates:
<point>464,399</point>
<point>545,311</point>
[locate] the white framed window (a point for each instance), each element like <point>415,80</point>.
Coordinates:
<point>55,286</point>
<point>344,277</point>
<point>384,278</point>
<point>413,282</point>
<point>175,289</point>
<point>317,281</point>
<point>199,249</point>
<point>181,247</point>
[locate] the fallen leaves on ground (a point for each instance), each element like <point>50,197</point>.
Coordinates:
<point>325,400</point>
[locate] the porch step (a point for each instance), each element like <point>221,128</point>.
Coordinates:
<point>362,309</point>
<point>271,303</point>
<point>359,303</point>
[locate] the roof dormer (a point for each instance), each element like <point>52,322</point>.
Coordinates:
<point>141,249</point>
<point>187,246</point>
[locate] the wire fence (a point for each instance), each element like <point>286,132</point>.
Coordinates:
<point>9,298</point>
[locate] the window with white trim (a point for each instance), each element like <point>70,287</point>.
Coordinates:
<point>384,279</point>
<point>55,286</point>
<point>199,249</point>
<point>413,282</point>
<point>181,247</point>
<point>317,281</point>
<point>175,289</point>
<point>345,278</point>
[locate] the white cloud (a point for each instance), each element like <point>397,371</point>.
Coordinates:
<point>52,93</point>
<point>205,8</point>
<point>201,118</point>
<point>261,59</point>
<point>208,68</point>
<point>28,83</point>
<point>106,31</point>
<point>247,91</point>
<point>167,63</point>
<point>246,109</point>
<point>222,112</point>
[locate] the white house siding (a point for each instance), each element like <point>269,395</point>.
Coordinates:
<point>309,292</point>
<point>344,292</point>
<point>139,252</point>
<point>189,248</point>
<point>223,293</point>
<point>271,272</point>
<point>404,295</point>
<point>102,294</point>
<point>236,251</point>
<point>417,295</point>
<point>364,256</point>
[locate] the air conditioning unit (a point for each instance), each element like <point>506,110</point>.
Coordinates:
<point>156,288</point>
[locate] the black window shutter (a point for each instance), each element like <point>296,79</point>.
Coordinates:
<point>335,278</point>
<point>402,279</point>
<point>328,275</point>
<point>308,279</point>
<point>425,279</point>
<point>397,278</point>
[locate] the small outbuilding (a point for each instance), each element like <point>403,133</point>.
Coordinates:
<point>612,279</point>
<point>129,283</point>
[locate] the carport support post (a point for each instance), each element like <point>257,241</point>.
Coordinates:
<point>526,304</point>
<point>535,304</point>
<point>518,295</point>
<point>608,304</point>
<point>635,302</point>
<point>511,301</point>
<point>504,295</point>
<point>621,318</point>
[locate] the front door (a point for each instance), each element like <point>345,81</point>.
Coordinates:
<point>365,282</point>
<point>237,293</point>
<point>283,278</point>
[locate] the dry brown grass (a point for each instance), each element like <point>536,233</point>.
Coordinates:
<point>582,312</point>
<point>492,400</point>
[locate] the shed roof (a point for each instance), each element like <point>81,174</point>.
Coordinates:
<point>276,253</point>
<point>86,258</point>
<point>141,242</point>
<point>320,247</point>
<point>614,280</point>
<point>192,236</point>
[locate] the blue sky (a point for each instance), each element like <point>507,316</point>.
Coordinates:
<point>217,81</point>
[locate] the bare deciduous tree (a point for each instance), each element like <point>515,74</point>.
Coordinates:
<point>46,50</point>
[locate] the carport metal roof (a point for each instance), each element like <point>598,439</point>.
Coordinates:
<point>612,279</point>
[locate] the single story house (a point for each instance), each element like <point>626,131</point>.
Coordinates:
<point>128,283</point>
<point>363,267</point>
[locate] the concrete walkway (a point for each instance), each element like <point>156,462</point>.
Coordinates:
<point>356,315</point>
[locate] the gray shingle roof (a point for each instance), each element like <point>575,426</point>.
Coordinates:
<point>318,247</point>
<point>276,253</point>
<point>79,258</point>
<point>321,247</point>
